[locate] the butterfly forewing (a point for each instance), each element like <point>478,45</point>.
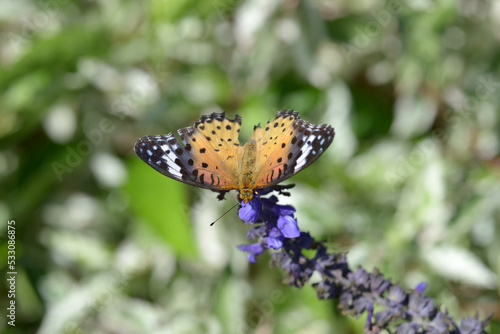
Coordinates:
<point>287,146</point>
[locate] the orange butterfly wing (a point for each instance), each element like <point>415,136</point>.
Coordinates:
<point>286,146</point>
<point>210,156</point>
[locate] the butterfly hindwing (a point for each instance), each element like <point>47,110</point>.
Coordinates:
<point>287,145</point>
<point>208,157</point>
<point>160,153</point>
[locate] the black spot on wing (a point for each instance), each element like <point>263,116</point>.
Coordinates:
<point>217,117</point>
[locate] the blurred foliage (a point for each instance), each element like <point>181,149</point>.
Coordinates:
<point>104,244</point>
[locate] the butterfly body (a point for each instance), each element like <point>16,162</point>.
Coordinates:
<point>213,158</point>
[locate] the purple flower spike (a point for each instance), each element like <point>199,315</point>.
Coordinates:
<point>249,212</point>
<point>388,306</point>
<point>253,249</point>
<point>288,226</point>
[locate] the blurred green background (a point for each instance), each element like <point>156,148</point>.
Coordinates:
<point>105,244</point>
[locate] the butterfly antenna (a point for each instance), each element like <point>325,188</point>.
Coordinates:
<point>268,228</point>
<point>225,213</point>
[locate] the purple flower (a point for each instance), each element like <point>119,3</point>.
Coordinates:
<point>253,249</point>
<point>275,239</point>
<point>361,278</point>
<point>472,325</point>
<point>257,231</point>
<point>396,295</point>
<point>421,306</point>
<point>284,210</point>
<point>278,219</point>
<point>362,304</point>
<point>249,212</point>
<point>421,287</point>
<point>378,283</point>
<point>368,323</point>
<point>288,226</point>
<point>408,328</point>
<point>438,324</point>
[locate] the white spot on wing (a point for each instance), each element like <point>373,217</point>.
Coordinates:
<point>175,169</point>
<point>305,156</point>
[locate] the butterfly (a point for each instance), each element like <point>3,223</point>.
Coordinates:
<point>212,157</point>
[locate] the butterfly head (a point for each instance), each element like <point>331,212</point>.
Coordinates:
<point>246,195</point>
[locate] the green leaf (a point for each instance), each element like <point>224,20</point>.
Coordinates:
<point>161,203</point>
